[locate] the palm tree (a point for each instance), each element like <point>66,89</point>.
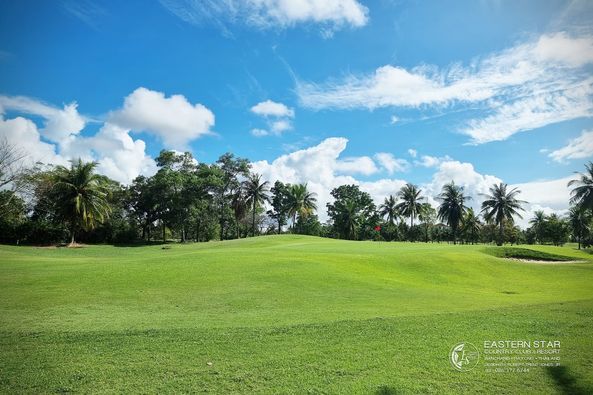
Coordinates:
<point>389,209</point>
<point>501,206</point>
<point>452,208</point>
<point>580,222</point>
<point>300,202</point>
<point>537,222</point>
<point>81,196</point>
<point>411,200</point>
<point>582,194</point>
<point>256,194</point>
<point>471,224</point>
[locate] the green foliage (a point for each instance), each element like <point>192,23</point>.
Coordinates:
<point>352,213</point>
<point>452,208</point>
<point>500,207</point>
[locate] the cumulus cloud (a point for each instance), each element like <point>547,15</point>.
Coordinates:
<point>59,123</point>
<point>322,169</point>
<point>524,87</point>
<point>577,148</point>
<point>431,161</point>
<point>271,108</point>
<point>412,152</point>
<point>390,163</point>
<point>265,14</point>
<point>277,116</point>
<point>173,119</point>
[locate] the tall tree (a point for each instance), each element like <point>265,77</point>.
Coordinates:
<point>452,207</point>
<point>471,225</point>
<point>500,206</point>
<point>352,212</point>
<point>389,209</point>
<point>427,215</point>
<point>411,200</point>
<point>580,223</point>
<point>279,203</point>
<point>80,195</point>
<point>239,205</point>
<point>256,193</point>
<point>232,169</point>
<point>300,202</point>
<point>537,224</point>
<point>582,193</point>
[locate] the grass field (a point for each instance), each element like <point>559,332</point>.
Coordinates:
<point>285,314</point>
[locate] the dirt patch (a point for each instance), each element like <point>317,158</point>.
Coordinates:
<point>543,262</point>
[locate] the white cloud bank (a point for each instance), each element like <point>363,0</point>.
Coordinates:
<point>322,169</point>
<point>173,119</point>
<point>527,86</point>
<point>266,14</point>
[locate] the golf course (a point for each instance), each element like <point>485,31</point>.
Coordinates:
<point>287,314</point>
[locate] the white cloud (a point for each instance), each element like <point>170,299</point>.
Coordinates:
<point>277,115</point>
<point>524,87</point>
<point>361,165</point>
<point>24,135</point>
<point>259,132</point>
<point>118,155</point>
<point>58,124</point>
<point>577,148</point>
<point>271,108</point>
<point>394,119</point>
<point>431,161</point>
<point>413,153</point>
<point>174,119</point>
<point>390,163</point>
<point>266,14</point>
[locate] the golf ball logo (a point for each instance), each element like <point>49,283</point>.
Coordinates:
<point>464,356</point>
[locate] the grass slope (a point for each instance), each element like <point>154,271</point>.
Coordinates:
<point>284,314</point>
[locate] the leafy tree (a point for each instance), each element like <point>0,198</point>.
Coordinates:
<point>300,201</point>
<point>556,230</point>
<point>582,193</point>
<point>411,200</point>
<point>256,193</point>
<point>232,169</point>
<point>279,203</point>
<point>353,212</point>
<point>500,206</point>
<point>308,225</point>
<point>452,208</point>
<point>80,196</point>
<point>427,216</point>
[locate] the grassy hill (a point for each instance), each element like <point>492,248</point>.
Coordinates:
<point>284,314</point>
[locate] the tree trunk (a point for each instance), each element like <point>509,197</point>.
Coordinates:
<point>500,234</point>
<point>73,231</point>
<point>253,220</point>
<point>164,233</point>
<point>279,225</point>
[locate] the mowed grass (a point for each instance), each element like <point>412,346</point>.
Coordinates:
<point>285,314</point>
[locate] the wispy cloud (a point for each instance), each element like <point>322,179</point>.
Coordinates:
<point>331,15</point>
<point>527,86</point>
<point>577,148</point>
<point>87,11</point>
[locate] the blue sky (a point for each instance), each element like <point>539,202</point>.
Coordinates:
<point>422,91</point>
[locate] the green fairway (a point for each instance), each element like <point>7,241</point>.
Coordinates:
<point>285,314</point>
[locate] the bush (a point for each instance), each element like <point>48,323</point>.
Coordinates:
<point>524,253</point>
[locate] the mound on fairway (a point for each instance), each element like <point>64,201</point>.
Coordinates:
<point>526,254</point>
<point>284,314</point>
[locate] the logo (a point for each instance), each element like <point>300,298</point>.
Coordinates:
<point>464,356</point>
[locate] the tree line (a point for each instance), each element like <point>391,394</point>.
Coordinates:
<point>190,201</point>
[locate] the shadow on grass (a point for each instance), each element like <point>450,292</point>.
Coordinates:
<point>566,382</point>
<point>386,390</point>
